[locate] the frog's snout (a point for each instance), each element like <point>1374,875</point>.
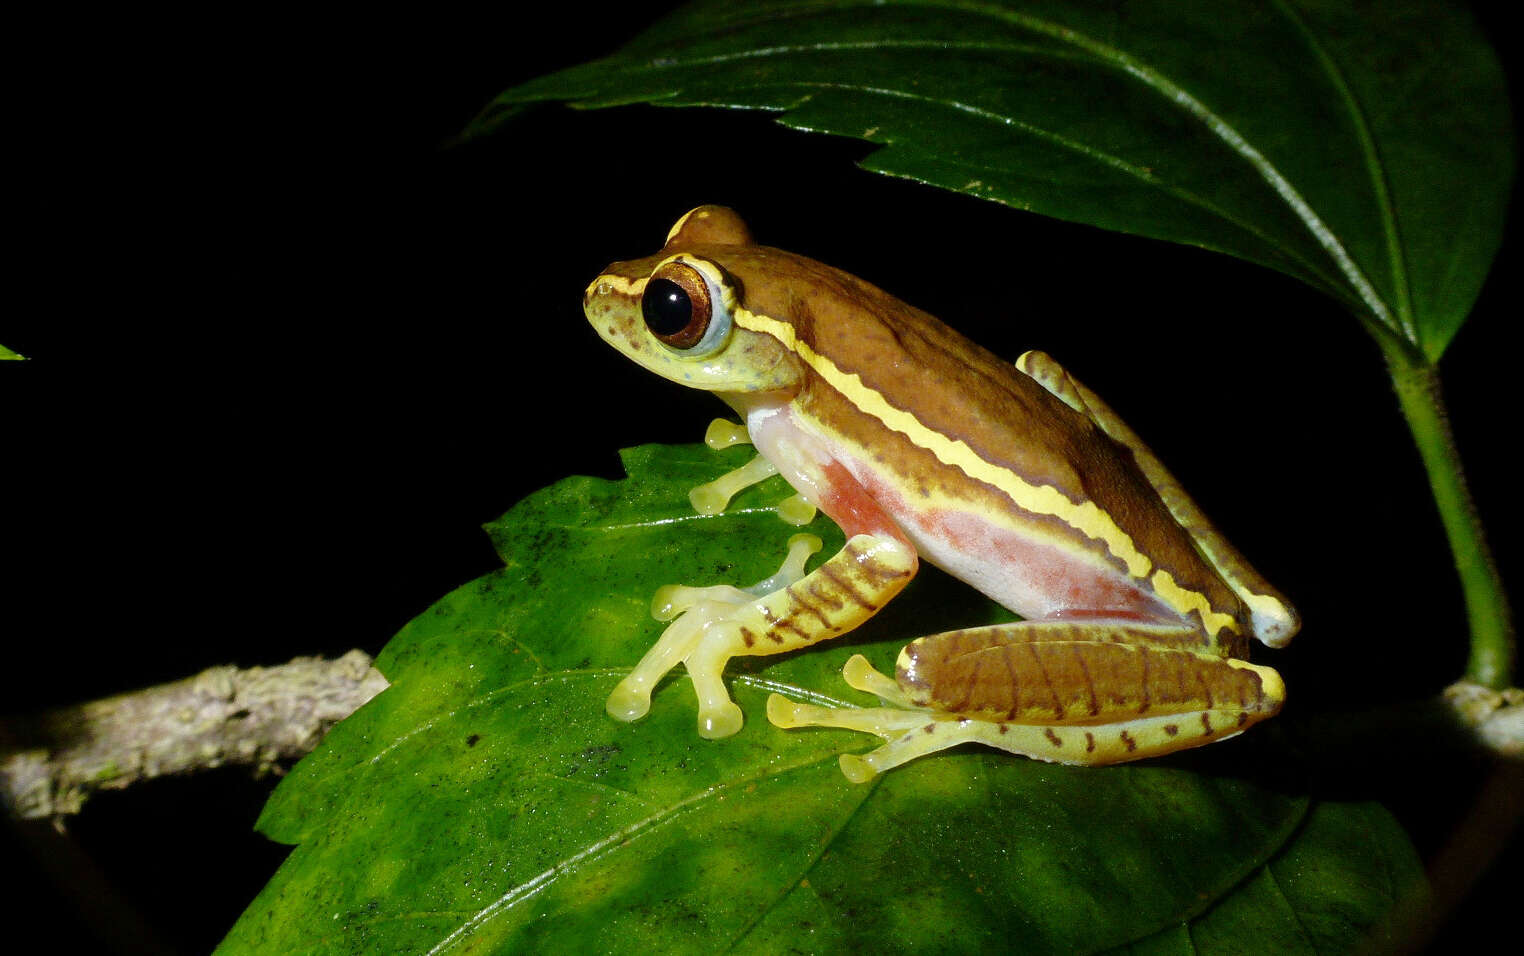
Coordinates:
<point>595,293</point>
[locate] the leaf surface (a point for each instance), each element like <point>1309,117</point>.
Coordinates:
<point>485,802</point>
<point>1365,149</point>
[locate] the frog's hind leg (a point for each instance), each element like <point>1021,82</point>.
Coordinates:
<point>1275,621</point>
<point>894,725</point>
<point>912,734</point>
<point>909,731</point>
<point>1061,691</point>
<point>861,675</point>
<point>1089,692</point>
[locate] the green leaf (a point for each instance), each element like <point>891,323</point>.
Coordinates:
<point>7,355</point>
<point>486,801</point>
<point>1365,149</point>
<point>1348,861</point>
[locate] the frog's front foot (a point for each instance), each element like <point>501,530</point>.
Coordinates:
<point>710,625</point>
<point>703,637</point>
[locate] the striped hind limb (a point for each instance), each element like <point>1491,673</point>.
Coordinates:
<point>1068,692</point>
<point>912,734</point>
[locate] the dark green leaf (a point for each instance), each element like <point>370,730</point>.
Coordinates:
<point>1349,861</point>
<point>1364,148</point>
<point>485,800</point>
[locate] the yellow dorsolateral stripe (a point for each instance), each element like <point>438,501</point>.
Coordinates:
<point>1086,517</point>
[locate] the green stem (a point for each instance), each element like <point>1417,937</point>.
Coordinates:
<point>1423,405</point>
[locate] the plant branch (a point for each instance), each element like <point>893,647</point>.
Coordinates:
<point>1492,636</point>
<point>259,716</point>
<point>1495,718</point>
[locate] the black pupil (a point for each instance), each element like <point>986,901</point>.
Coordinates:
<point>666,307</point>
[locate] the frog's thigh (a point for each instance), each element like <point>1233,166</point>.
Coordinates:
<point>1275,622</point>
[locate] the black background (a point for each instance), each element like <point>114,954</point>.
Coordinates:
<point>288,355</point>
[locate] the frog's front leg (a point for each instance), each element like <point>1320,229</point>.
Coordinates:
<point>1062,691</point>
<point>789,610</point>
<point>713,497</point>
<point>715,624</point>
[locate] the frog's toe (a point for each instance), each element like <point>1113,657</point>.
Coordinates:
<point>856,769</point>
<point>714,497</point>
<point>861,675</point>
<point>785,713</point>
<point>629,701</point>
<point>796,510</point>
<point>721,721</point>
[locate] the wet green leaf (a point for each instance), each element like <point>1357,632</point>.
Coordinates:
<point>485,802</point>
<point>1366,149</point>
<point>7,354</point>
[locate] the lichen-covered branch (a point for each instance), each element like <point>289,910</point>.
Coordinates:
<point>260,716</point>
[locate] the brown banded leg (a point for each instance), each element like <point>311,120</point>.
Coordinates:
<point>1070,692</point>
<point>1061,671</point>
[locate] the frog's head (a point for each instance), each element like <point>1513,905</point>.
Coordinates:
<point>677,312</point>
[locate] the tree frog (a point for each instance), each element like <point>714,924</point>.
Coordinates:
<point>1014,478</point>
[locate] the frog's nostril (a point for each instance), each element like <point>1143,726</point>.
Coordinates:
<point>598,288</point>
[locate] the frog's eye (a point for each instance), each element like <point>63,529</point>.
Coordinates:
<point>685,308</point>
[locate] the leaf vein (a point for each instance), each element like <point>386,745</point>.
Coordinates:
<point>598,848</point>
<point>1219,127</point>
<point>1280,895</point>
<point>1142,174</point>
<point>1374,166</point>
<point>1181,98</point>
<point>784,892</point>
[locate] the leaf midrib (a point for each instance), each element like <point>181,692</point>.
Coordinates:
<point>1219,127</point>
<point>1326,238</point>
<point>866,791</point>
<point>630,832</point>
<point>1187,196</point>
<point>1374,167</point>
